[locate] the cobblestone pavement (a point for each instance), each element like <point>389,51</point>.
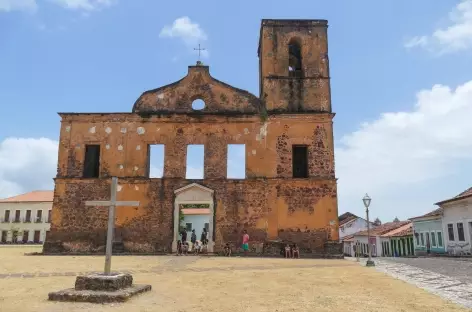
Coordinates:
<point>172,265</point>
<point>446,286</point>
<point>459,268</point>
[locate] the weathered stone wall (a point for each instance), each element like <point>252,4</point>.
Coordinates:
<point>239,205</point>
<point>310,93</point>
<point>269,203</point>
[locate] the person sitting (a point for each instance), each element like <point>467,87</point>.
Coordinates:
<point>295,251</point>
<point>185,248</point>
<point>227,250</point>
<point>197,247</point>
<point>179,248</point>
<point>287,251</point>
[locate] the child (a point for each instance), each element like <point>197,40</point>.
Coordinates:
<point>295,251</point>
<point>227,250</point>
<point>287,251</point>
<point>179,248</point>
<point>185,248</point>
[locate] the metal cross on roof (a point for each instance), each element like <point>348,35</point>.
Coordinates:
<point>199,49</point>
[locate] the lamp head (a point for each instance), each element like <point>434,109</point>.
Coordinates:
<point>366,200</point>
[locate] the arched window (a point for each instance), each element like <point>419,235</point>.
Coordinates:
<point>294,59</point>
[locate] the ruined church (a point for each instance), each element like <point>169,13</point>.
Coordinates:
<point>288,194</point>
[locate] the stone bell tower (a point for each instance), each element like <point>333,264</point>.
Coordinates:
<point>293,66</point>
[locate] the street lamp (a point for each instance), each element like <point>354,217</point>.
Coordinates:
<point>367,201</point>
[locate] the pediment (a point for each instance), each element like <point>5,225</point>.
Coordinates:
<point>194,192</point>
<point>177,97</point>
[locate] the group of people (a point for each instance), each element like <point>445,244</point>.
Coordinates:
<point>197,247</point>
<point>292,251</point>
<point>183,247</point>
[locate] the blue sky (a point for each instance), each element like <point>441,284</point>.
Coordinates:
<point>401,82</point>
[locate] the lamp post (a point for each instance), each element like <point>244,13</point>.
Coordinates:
<point>367,201</point>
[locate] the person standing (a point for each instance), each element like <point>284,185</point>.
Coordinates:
<point>245,242</point>
<point>183,233</point>
<point>203,237</point>
<point>193,239</point>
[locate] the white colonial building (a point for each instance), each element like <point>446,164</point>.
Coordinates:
<point>457,223</point>
<point>26,218</point>
<point>350,224</point>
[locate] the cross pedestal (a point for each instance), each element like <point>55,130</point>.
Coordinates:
<point>106,287</point>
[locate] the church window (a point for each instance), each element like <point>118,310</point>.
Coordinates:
<point>300,161</point>
<point>236,161</point>
<point>198,104</point>
<point>155,165</point>
<point>195,161</point>
<point>294,59</point>
<point>92,161</point>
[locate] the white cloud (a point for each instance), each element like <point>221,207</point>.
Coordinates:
<point>87,5</point>
<point>189,32</point>
<point>194,173</point>
<point>17,5</point>
<point>455,37</point>
<point>404,151</point>
<point>27,164</point>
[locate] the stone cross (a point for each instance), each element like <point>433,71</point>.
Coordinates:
<point>199,51</point>
<point>112,203</point>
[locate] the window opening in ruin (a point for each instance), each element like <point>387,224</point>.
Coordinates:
<point>236,161</point>
<point>92,161</point>
<point>155,165</point>
<point>300,161</point>
<point>195,161</point>
<point>294,59</point>
<point>198,104</point>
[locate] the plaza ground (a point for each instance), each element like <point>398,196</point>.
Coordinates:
<point>214,284</point>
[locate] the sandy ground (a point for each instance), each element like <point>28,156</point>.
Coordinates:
<point>216,284</point>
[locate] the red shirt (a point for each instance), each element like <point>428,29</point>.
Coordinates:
<point>245,238</point>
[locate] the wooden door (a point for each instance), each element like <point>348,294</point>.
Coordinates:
<point>25,236</point>
<point>37,235</point>
<point>4,236</point>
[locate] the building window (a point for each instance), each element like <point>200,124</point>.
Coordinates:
<point>37,237</point>
<point>460,232</point>
<point>417,239</point>
<point>49,216</point>
<point>300,161</point>
<point>433,239</point>
<point>92,161</point>
<point>188,227</point>
<point>450,232</point>
<point>7,216</point>
<point>17,216</point>
<point>4,236</point>
<point>294,59</point>
<point>28,216</point>
<point>440,241</point>
<point>39,216</point>
<point>25,236</point>
<point>195,167</point>
<point>422,239</point>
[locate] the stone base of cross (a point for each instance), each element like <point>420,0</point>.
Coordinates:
<point>107,287</point>
<point>112,204</point>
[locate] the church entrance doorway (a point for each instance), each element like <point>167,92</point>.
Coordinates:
<point>193,210</point>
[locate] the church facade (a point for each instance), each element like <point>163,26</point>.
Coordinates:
<point>289,192</point>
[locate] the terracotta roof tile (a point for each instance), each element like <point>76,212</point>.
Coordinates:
<point>382,229</point>
<point>403,230</point>
<point>348,238</point>
<point>344,216</point>
<point>464,194</point>
<point>35,196</point>
<point>436,212</point>
<point>348,219</point>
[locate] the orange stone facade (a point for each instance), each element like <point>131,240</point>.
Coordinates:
<point>272,205</point>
